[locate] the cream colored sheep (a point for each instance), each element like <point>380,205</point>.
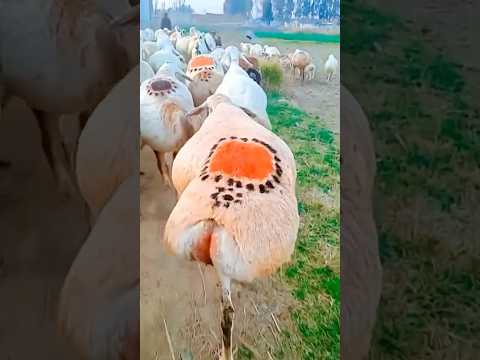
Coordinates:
<point>108,146</point>
<point>206,78</point>
<point>310,71</point>
<point>361,269</point>
<point>237,208</point>
<point>300,60</point>
<point>98,310</point>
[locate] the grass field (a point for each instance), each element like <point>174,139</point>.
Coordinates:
<point>426,136</point>
<point>313,276</point>
<point>299,36</point>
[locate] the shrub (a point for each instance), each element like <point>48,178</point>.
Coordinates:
<point>272,74</point>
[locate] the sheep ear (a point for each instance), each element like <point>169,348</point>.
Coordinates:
<point>132,16</point>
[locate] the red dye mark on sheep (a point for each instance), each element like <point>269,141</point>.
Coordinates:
<point>161,85</point>
<point>242,160</point>
<point>201,251</point>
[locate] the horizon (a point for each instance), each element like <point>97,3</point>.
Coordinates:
<point>198,6</point>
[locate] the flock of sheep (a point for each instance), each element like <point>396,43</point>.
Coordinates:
<point>203,113</point>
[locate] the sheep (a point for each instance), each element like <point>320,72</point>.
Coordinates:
<point>161,36</point>
<point>272,51</point>
<point>286,63</point>
<point>98,306</point>
<point>146,71</point>
<point>210,42</point>
<point>164,102</point>
<point>226,58</point>
<point>249,62</point>
<point>201,63</point>
<point>300,60</point>
<point>330,67</point>
<point>174,36</point>
<point>218,39</point>
<point>257,50</point>
<point>107,152</point>
<point>201,45</point>
<point>245,48</point>
<point>52,86</point>
<point>204,84</point>
<point>148,35</point>
<point>310,70</point>
<point>237,208</point>
<point>242,90</point>
<point>173,69</point>
<point>361,267</point>
<point>167,54</point>
<point>205,76</point>
<point>185,45</point>
<point>218,54</point>
<point>149,48</point>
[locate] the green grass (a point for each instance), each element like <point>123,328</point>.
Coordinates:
<point>272,74</point>
<point>299,36</point>
<point>313,274</point>
<point>426,138</point>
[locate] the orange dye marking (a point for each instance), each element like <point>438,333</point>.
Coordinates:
<point>201,252</point>
<point>240,159</point>
<point>200,61</point>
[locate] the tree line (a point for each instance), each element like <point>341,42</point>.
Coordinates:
<point>288,10</point>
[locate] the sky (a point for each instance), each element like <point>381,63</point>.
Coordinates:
<point>202,6</point>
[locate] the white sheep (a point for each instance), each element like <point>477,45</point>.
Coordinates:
<point>330,67</point>
<point>167,54</point>
<point>164,101</point>
<point>146,71</point>
<point>149,35</point>
<point>149,48</point>
<point>107,149</point>
<point>362,279</point>
<point>245,48</point>
<point>257,50</point>
<point>310,71</point>
<point>237,208</point>
<point>272,51</point>
<point>243,90</point>
<point>98,307</point>
<point>173,70</point>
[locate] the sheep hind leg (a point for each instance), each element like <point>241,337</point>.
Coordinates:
<point>162,167</point>
<point>52,144</point>
<point>228,315</point>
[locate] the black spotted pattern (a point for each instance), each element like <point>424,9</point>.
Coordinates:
<point>232,190</point>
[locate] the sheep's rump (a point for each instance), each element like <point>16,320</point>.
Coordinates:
<point>244,180</point>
